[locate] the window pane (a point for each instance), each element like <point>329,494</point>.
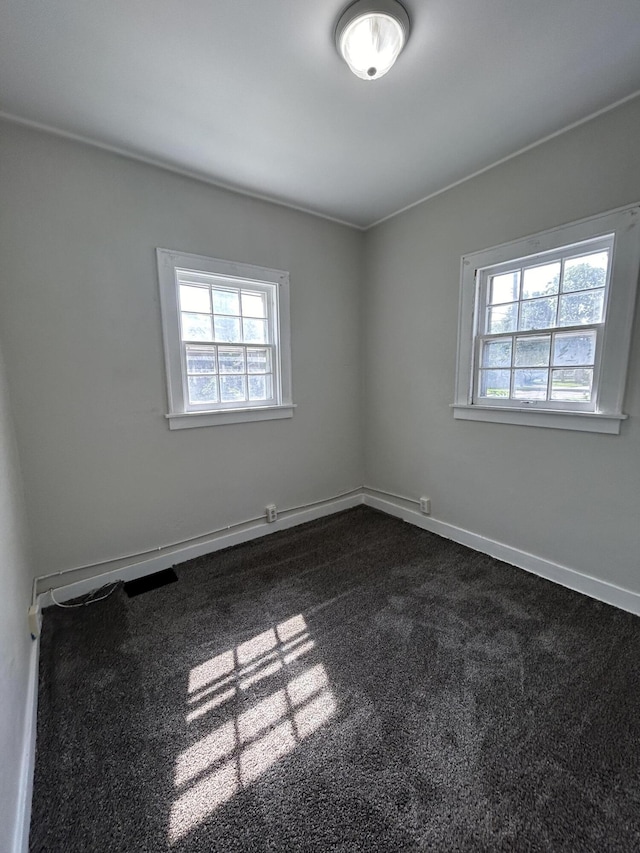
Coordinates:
<point>504,287</point>
<point>253,304</point>
<point>231,360</point>
<point>585,272</point>
<point>201,360</point>
<point>227,329</point>
<point>533,352</point>
<point>574,348</point>
<point>194,298</point>
<point>503,318</point>
<point>530,384</point>
<point>203,389</point>
<point>226,301</point>
<point>254,331</point>
<point>497,353</point>
<point>233,388</point>
<point>196,327</point>
<point>495,383</point>
<point>260,388</point>
<point>538,314</point>
<point>541,281</point>
<point>574,386</point>
<point>258,361</point>
<point>577,309</point>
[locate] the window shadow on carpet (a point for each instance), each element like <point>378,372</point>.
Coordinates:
<point>293,701</point>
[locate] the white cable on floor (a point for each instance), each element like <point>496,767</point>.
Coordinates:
<point>91,600</point>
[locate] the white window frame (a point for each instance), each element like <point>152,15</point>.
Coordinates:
<point>275,284</point>
<point>619,228</point>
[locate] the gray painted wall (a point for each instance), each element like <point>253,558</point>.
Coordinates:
<point>15,641</point>
<point>570,497</point>
<point>80,326</point>
<point>104,476</point>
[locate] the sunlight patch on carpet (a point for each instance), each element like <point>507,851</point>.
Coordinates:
<point>240,750</point>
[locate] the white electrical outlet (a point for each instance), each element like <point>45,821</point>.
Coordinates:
<point>35,620</point>
<point>425,506</point>
<point>272,513</point>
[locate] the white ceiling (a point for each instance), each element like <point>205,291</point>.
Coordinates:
<point>252,94</point>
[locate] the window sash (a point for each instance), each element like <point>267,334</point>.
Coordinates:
<point>483,279</point>
<point>221,405</point>
<point>214,282</point>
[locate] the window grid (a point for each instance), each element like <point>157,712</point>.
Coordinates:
<point>550,367</point>
<point>255,384</point>
<point>557,383</point>
<point>240,353</point>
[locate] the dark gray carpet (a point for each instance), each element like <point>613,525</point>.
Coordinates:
<point>353,684</point>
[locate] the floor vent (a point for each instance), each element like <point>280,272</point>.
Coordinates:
<point>149,582</point>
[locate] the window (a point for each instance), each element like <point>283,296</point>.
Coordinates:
<point>545,326</point>
<point>226,340</point>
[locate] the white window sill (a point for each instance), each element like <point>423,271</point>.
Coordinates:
<point>553,419</point>
<point>187,420</point>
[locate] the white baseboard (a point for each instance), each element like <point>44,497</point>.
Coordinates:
<point>625,599</point>
<point>393,505</point>
<point>66,589</point>
<point>25,790</point>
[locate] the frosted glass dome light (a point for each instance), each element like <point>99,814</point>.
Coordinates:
<point>370,35</point>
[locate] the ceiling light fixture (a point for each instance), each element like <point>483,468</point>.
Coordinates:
<point>370,35</point>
